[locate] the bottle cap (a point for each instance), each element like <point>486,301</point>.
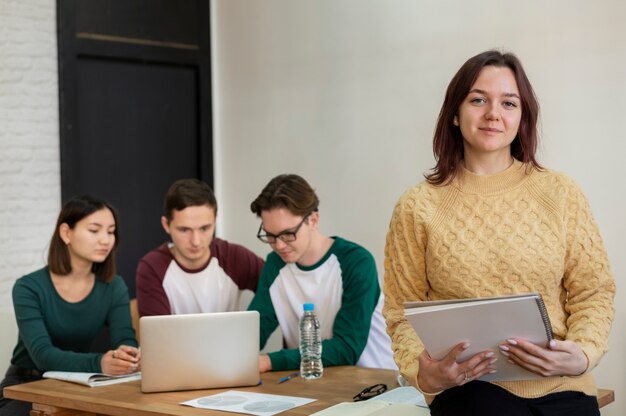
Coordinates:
<point>308,307</point>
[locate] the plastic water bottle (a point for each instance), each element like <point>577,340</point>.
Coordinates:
<point>310,344</point>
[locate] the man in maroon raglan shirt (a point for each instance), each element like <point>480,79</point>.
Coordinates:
<point>195,272</point>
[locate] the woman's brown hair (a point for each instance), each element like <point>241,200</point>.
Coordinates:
<point>73,211</point>
<point>448,141</point>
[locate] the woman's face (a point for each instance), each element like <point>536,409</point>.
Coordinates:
<point>92,238</point>
<point>490,115</point>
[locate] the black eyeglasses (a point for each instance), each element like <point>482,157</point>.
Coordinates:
<point>369,392</point>
<point>286,236</point>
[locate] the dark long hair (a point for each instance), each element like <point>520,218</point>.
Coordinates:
<point>448,141</point>
<point>73,211</point>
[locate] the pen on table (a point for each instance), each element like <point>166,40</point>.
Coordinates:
<point>289,377</point>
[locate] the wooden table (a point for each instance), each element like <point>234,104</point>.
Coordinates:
<point>339,384</point>
<point>50,397</point>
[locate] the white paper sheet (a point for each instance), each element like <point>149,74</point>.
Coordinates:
<point>249,403</point>
<point>406,394</point>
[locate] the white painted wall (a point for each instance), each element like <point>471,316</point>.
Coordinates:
<point>30,190</point>
<point>346,93</point>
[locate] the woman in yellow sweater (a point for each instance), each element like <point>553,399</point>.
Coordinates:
<point>490,221</point>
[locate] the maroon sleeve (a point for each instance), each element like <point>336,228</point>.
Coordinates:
<point>239,263</point>
<point>151,297</point>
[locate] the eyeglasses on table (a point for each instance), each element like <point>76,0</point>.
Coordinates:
<point>369,392</point>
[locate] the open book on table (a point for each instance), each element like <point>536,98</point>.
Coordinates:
<point>484,323</point>
<point>91,379</point>
<point>401,401</point>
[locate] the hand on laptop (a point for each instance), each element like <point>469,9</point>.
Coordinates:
<point>265,364</point>
<point>123,360</point>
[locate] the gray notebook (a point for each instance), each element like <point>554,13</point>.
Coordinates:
<point>199,351</point>
<point>483,322</point>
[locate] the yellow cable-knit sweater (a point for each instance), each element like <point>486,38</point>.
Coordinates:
<point>518,231</point>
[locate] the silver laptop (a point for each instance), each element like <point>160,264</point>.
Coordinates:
<point>199,351</point>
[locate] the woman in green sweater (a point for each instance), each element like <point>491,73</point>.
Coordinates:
<point>490,221</point>
<point>61,308</point>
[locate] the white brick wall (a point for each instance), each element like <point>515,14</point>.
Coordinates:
<point>30,190</point>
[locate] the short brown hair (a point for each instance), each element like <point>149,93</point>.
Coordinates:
<point>448,140</point>
<point>73,211</point>
<point>188,193</point>
<point>287,191</point>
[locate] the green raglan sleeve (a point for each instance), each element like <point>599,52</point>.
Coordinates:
<point>361,291</point>
<point>262,302</point>
<point>285,359</point>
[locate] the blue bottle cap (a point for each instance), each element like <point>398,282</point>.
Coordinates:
<point>308,307</point>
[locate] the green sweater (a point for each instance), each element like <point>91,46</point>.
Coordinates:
<point>57,335</point>
<point>344,287</point>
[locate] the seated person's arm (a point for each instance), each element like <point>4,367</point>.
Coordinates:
<point>262,303</point>
<point>242,265</point>
<point>45,355</point>
<point>151,297</point>
<point>127,357</point>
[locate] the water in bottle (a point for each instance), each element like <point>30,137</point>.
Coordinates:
<point>310,344</point>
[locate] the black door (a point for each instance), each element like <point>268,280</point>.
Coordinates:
<point>134,82</point>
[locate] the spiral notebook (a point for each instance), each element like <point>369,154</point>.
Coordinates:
<point>483,322</point>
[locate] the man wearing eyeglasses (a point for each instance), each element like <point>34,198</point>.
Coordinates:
<point>305,266</point>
